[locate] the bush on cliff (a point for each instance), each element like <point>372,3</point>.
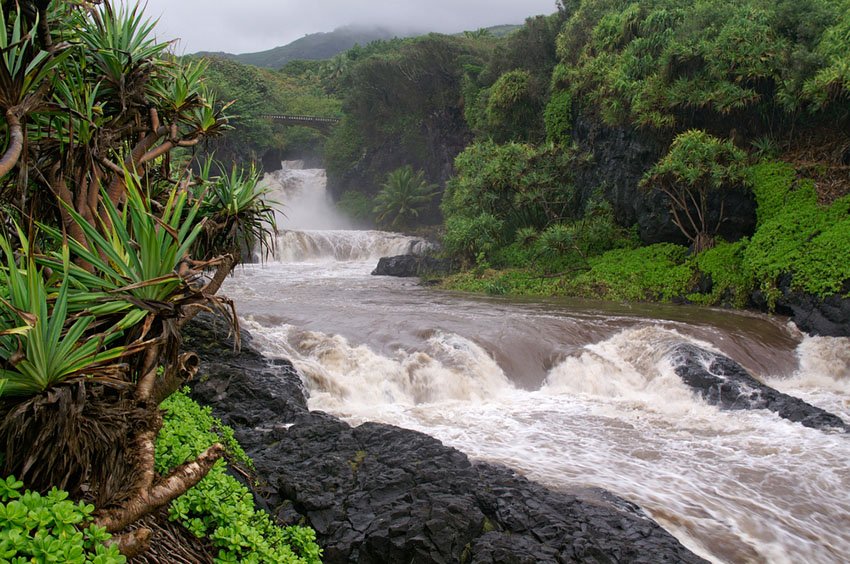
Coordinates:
<point>697,165</point>
<point>796,235</point>
<point>663,63</point>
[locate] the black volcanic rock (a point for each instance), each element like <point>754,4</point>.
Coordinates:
<point>721,381</point>
<point>828,316</point>
<point>406,266</point>
<point>377,493</point>
<point>621,156</point>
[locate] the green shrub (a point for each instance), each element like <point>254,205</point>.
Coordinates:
<point>50,528</point>
<point>519,184</point>
<point>774,187</point>
<point>659,63</point>
<point>797,236</point>
<point>467,237</point>
<point>731,282</point>
<point>219,507</point>
<point>515,255</point>
<point>559,239</point>
<point>658,272</point>
<point>558,118</point>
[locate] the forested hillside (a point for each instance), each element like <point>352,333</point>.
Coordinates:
<point>652,150</point>
<point>613,149</point>
<point>314,46</point>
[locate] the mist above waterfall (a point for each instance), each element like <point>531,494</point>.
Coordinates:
<point>311,228</point>
<point>302,198</point>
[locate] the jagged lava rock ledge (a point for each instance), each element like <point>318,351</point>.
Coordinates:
<point>379,494</point>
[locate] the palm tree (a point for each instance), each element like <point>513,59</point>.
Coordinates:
<point>403,197</point>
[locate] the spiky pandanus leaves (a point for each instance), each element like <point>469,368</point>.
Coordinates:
<point>24,70</point>
<point>43,343</point>
<point>239,216</point>
<point>71,415</point>
<point>62,375</point>
<point>122,44</point>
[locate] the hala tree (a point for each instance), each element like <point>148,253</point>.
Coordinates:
<point>697,165</point>
<point>97,274</point>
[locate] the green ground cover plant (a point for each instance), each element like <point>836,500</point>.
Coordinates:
<point>219,507</point>
<point>50,528</point>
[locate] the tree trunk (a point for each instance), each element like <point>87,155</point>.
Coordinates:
<point>16,141</point>
<point>702,242</point>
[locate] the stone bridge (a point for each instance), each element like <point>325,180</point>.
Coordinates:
<point>305,121</point>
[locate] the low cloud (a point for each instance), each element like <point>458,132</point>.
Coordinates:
<point>257,25</point>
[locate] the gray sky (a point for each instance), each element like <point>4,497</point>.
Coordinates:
<point>244,26</point>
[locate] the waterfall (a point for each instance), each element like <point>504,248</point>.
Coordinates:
<point>314,230</point>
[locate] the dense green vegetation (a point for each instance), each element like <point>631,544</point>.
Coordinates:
<point>257,92</point>
<point>508,128</point>
<point>730,88</point>
<point>667,63</point>
<point>796,236</point>
<point>109,224</point>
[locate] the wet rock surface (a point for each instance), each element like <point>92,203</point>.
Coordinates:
<point>721,381</point>
<point>378,494</point>
<point>621,156</point>
<point>406,266</point>
<point>828,317</point>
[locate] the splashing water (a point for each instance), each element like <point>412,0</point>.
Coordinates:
<point>602,407</point>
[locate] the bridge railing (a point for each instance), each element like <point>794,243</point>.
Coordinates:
<point>300,119</point>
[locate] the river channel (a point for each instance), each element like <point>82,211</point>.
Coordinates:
<point>569,393</point>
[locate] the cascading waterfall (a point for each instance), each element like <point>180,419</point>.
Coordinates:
<point>314,230</point>
<point>570,393</point>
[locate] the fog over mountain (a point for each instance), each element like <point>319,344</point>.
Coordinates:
<point>258,25</point>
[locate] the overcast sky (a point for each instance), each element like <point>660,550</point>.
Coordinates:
<point>245,26</point>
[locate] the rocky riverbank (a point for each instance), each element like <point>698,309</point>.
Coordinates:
<point>378,493</point>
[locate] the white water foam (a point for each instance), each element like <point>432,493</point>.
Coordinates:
<point>733,486</point>
<point>355,379</point>
<point>823,375</point>
<point>344,246</point>
<point>633,365</point>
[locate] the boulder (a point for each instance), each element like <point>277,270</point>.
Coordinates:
<point>721,381</point>
<point>825,316</point>
<point>406,266</point>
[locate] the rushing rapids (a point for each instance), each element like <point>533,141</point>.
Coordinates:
<point>568,393</point>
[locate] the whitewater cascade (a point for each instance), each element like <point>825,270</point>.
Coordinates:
<point>313,229</point>
<point>569,393</point>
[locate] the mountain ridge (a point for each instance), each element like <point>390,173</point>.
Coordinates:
<point>325,45</point>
